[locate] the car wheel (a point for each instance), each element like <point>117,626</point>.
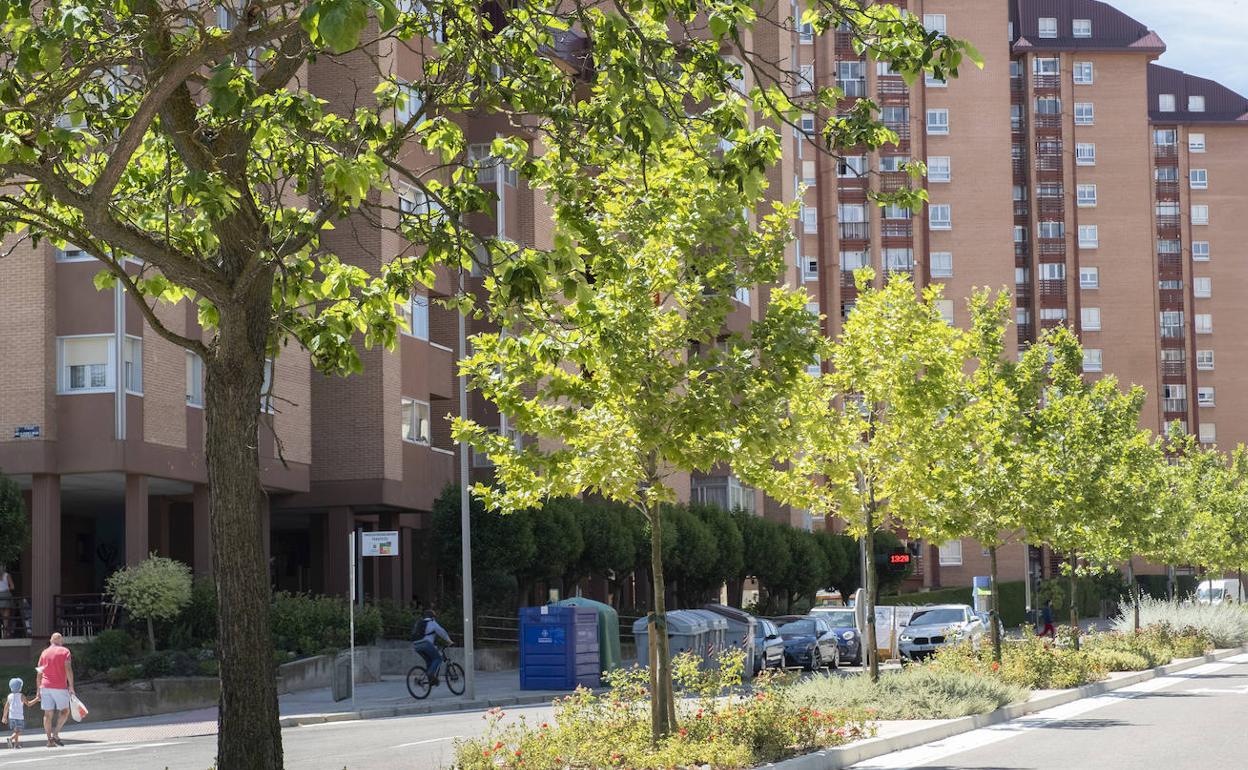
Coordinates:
<point>836,659</point>
<point>816,660</point>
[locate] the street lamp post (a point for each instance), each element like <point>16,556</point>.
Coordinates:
<point>465,526</point>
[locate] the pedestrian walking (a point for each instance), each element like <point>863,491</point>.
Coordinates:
<point>1046,616</point>
<point>14,714</point>
<point>56,687</point>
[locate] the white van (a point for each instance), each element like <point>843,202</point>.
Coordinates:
<point>1218,591</point>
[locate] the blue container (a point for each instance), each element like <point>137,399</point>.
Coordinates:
<point>558,648</point>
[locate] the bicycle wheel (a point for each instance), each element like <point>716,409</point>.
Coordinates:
<point>455,678</point>
<point>418,682</point>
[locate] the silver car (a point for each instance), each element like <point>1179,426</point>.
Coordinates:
<point>933,627</point>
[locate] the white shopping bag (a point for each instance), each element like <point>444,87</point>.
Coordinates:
<point>77,709</point>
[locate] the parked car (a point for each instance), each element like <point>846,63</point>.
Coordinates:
<point>768,646</point>
<point>810,643</point>
<point>935,626</point>
<point>1217,591</point>
<point>985,618</point>
<point>844,622</point>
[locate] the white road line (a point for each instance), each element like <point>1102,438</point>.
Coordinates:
<point>62,754</point>
<point>422,743</point>
<point>986,736</point>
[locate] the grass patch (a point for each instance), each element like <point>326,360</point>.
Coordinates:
<point>917,692</point>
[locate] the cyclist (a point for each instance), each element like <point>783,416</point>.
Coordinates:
<point>425,634</point>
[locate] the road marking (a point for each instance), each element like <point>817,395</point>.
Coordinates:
<point>421,743</point>
<point>60,755</point>
<point>986,736</point>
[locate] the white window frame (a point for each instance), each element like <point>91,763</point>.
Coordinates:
<point>64,378</point>
<point>939,168</point>
<point>945,308</point>
<point>1085,114</point>
<point>951,553</point>
<point>1200,214</point>
<point>1085,196</point>
<point>1081,28</point>
<point>941,125</point>
<point>1052,314</point>
<point>416,313</point>
<point>133,365</point>
<point>1085,154</point>
<point>807,123</point>
<point>1208,433</point>
<point>1089,237</point>
<point>935,222</point>
<point>806,33</point>
<point>1047,27</point>
<point>1196,103</point>
<point>810,220</point>
<point>416,428</point>
<point>1089,278</point>
<point>935,22</point>
<point>1050,229</point>
<point>1052,271</point>
<point>1093,360</point>
<point>72,253</point>
<point>1204,323</point>
<point>1090,319</point>
<point>1202,287</point>
<point>1085,73</point>
<point>1198,178</point>
<point>487,165</point>
<point>806,78</point>
<point>194,380</point>
<point>408,103</point>
<point>1206,395</point>
<point>1204,360</point>
<point>942,264</point>
<point>853,166</point>
<point>1165,103</point>
<point>1046,65</point>
<point>1200,251</point>
<point>1196,142</point>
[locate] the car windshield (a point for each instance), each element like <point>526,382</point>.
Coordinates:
<point>798,628</point>
<point>937,616</point>
<point>1217,593</point>
<point>838,618</point>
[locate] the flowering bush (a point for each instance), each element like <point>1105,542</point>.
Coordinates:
<point>718,727</point>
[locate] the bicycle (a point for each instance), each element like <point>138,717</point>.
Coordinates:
<point>420,684</point>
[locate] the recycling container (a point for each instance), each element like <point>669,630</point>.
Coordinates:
<point>608,631</point>
<point>558,648</point>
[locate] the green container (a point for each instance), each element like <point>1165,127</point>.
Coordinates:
<point>608,630</point>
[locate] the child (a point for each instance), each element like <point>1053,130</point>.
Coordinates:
<point>15,712</point>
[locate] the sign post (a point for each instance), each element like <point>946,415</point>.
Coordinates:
<point>351,610</point>
<point>370,544</point>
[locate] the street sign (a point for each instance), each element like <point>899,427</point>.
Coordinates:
<point>26,431</point>
<point>379,543</point>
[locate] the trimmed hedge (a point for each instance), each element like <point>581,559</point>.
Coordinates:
<point>1013,611</point>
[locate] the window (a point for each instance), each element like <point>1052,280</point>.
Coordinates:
<point>1198,178</point>
<point>1200,215</point>
<point>1089,237</point>
<point>892,163</point>
<point>806,32</point>
<point>1204,323</point>
<point>850,78</point>
<point>1022,275</point>
<point>1172,324</point>
<point>895,211</point>
<point>1046,66</point>
<point>415,312</point>
<point>931,81</point>
<point>851,212</point>
<point>1081,28</point>
<point>194,379</point>
<point>940,216</point>
<point>934,22</point>
<point>1052,314</point>
<point>808,123</point>
<point>1167,209</point>
<point>1049,191</point>
<point>1022,316</point>
<point>1170,284</point>
<point>1195,104</point>
<point>806,79</point>
<point>945,308</point>
<point>1202,288</point>
<point>938,168</point>
<point>266,386</point>
<point>898,260</point>
<point>1165,103</point>
<point>1208,433</point>
<point>851,166</point>
<point>1083,113</point>
<point>1052,229</point>
<point>885,69</point>
<point>1020,233</point>
<point>938,121</point>
<point>1092,359</point>
<point>1168,246</point>
<point>853,260</point>
<point>1089,278</point>
<point>1204,360</point>
<point>479,156</point>
<point>414,203</point>
<point>1048,28</point>
<point>1083,73</point>
<point>85,364</point>
<point>1085,154</point>
<point>808,173</point>
<point>1164,137</point>
<point>810,219</point>
<point>1196,142</point>
<point>72,253</point>
<point>1085,195</point>
<point>1166,173</point>
<point>951,554</point>
<point>134,365</point>
<point>416,419</point>
<point>1048,105</point>
<point>1200,251</point>
<point>1052,271</point>
<point>1205,396</point>
<point>942,264</point>
<point>409,103</point>
<point>1090,319</point>
<point>809,263</point>
<point>895,115</point>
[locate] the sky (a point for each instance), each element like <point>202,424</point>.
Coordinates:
<point>1203,37</point>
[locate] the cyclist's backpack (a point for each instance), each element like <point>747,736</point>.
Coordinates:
<point>418,631</point>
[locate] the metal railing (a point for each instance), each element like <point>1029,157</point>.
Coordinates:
<point>1047,121</point>
<point>1173,368</point>
<point>83,615</point>
<point>889,85</point>
<point>15,621</point>
<point>1050,82</point>
<point>1166,151</point>
<point>1053,287</point>
<point>897,229</point>
<point>1168,189</point>
<point>1052,247</point>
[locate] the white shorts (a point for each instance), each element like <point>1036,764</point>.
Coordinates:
<point>54,700</point>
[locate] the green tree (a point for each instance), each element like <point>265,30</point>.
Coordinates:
<point>807,567</point>
<point>502,546</point>
<point>13,522</point>
<point>558,543</point>
<point>155,589</point>
<point>611,534</point>
<point>767,556</point>
<point>729,547</point>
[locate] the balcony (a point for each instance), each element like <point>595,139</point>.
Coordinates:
<point>1053,287</point>
<point>1022,293</point>
<point>1175,408</point>
<point>854,88</point>
<point>901,129</point>
<point>1048,122</point>
<point>891,181</point>
<point>844,42</point>
<point>1169,222</point>
<point>855,231</point>
<point>1171,299</point>
<point>847,279</point>
<point>1174,369</point>
<point>1048,164</point>
<point>1022,209</point>
<point>1170,264</point>
<point>1018,166</point>
<point>1166,152</point>
<point>1172,332</point>
<point>1052,247</point>
<point>1051,209</point>
<point>1026,334</point>
<point>1018,126</point>
<point>892,89</point>
<point>1021,251</point>
<point>897,228</point>
<point>1046,82</point>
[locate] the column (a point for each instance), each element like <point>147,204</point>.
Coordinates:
<point>45,546</point>
<point>137,518</point>
<point>201,528</point>
<point>390,572</point>
<point>407,557</point>
<point>159,527</point>
<point>338,526</point>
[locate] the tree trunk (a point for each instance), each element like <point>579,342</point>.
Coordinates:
<point>1074,599</point>
<point>662,699</point>
<point>873,654</point>
<point>994,615</point>
<point>249,737</point>
<point>1134,586</point>
<point>151,634</point>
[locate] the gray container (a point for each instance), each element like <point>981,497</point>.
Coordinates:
<point>716,633</point>
<point>741,631</point>
<point>685,631</point>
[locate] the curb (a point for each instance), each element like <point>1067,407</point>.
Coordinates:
<point>860,751</point>
<point>385,712</point>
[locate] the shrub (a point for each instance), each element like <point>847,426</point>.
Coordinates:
<point>613,729</point>
<point>120,674</point>
<point>107,650</point>
<point>155,589</point>
<point>1224,625</point>
<point>916,692</point>
<point>315,625</point>
<point>1119,660</point>
<point>1030,662</point>
<point>196,624</point>
<point>397,618</point>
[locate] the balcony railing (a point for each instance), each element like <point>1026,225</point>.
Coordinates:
<point>1167,189</point>
<point>1174,406</point>
<point>1046,82</point>
<point>847,279</point>
<point>1168,221</point>
<point>891,181</point>
<point>1170,263</point>
<point>890,85</point>
<point>1171,299</point>
<point>1025,333</point>
<point>855,231</point>
<point>1021,208</point>
<point>1048,163</point>
<point>1052,247</point>
<point>1173,368</point>
<point>83,615</point>
<point>1046,121</point>
<point>897,229</point>
<point>1053,287</point>
<point>1166,152</point>
<point>1021,249</point>
<point>1018,125</point>
<point>1017,165</point>
<point>901,129</point>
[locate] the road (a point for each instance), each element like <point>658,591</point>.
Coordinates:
<point>1192,719</point>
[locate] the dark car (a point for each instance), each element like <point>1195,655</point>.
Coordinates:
<point>844,622</point>
<point>810,643</point>
<point>768,646</point>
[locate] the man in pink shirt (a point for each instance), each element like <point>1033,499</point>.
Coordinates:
<point>56,685</point>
